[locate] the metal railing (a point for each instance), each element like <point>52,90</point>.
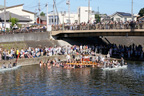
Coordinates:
<point>98,26</point>
<point>18,31</point>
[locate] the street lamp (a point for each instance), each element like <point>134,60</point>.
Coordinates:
<point>63,14</point>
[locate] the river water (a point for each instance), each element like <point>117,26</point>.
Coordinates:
<point>40,81</point>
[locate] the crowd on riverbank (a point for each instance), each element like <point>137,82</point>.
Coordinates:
<point>128,52</point>
<point>131,52</point>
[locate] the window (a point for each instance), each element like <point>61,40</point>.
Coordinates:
<point>86,10</point>
<point>125,19</point>
<point>68,21</point>
<point>117,19</point>
<point>26,16</point>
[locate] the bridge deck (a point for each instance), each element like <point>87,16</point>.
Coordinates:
<point>112,32</point>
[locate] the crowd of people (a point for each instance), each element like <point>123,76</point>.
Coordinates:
<point>82,26</point>
<point>131,52</point>
<point>101,25</point>
<point>36,28</point>
<point>85,59</point>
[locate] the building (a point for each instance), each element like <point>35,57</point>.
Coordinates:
<point>122,16</point>
<point>9,15</point>
<point>21,19</point>
<point>63,18</point>
<point>43,20</point>
<point>79,17</point>
<point>83,15</point>
<point>104,17</point>
<point>18,11</point>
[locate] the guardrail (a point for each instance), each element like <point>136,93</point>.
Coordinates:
<point>77,27</point>
<point>18,31</point>
<point>97,27</point>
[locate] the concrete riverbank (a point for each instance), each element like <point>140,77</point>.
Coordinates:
<point>33,61</point>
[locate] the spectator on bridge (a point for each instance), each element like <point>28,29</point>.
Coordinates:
<point>132,25</point>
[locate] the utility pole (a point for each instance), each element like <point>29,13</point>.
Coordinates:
<point>69,12</point>
<point>132,11</point>
<point>39,12</point>
<point>63,14</point>
<point>88,13</point>
<point>47,16</point>
<point>36,16</point>
<point>88,10</point>
<point>68,3</point>
<point>4,13</point>
<point>54,14</point>
<point>98,10</point>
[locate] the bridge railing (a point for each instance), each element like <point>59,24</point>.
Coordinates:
<point>18,31</point>
<point>97,27</point>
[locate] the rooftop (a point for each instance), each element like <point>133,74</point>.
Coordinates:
<point>124,14</point>
<point>12,15</point>
<point>11,6</point>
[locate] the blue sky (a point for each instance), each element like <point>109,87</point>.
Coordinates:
<point>105,6</point>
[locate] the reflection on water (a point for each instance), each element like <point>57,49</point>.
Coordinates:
<point>33,80</point>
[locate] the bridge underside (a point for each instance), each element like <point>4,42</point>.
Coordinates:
<point>100,34</point>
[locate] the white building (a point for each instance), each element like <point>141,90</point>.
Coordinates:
<point>83,15</point>
<point>79,17</point>
<point>122,16</point>
<point>18,10</point>
<point>63,18</point>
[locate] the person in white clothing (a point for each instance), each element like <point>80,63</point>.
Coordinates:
<point>68,57</point>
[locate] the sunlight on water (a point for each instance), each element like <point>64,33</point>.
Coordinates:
<point>40,81</point>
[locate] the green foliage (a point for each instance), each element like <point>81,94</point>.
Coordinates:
<point>7,30</point>
<point>13,21</point>
<point>19,25</point>
<point>97,17</point>
<point>42,14</point>
<point>141,12</point>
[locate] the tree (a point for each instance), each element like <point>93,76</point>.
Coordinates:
<point>97,17</point>
<point>42,14</point>
<point>13,21</point>
<point>141,12</point>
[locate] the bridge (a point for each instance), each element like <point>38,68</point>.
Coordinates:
<point>92,33</point>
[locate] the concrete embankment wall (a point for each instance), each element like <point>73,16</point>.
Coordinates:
<point>125,40</point>
<point>24,37</point>
<point>26,44</point>
<point>33,61</point>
